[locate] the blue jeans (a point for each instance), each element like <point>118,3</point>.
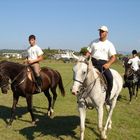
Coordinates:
<point>107,73</point>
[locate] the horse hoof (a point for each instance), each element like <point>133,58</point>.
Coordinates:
<point>109,127</point>
<point>50,114</point>
<point>103,135</point>
<point>34,122</point>
<point>8,126</point>
<point>104,138</point>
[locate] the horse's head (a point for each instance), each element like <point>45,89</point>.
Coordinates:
<point>80,71</point>
<point>128,74</point>
<point>4,83</point>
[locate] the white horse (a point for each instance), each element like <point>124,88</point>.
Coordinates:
<point>90,89</point>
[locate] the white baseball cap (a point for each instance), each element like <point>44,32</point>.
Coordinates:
<point>103,28</point>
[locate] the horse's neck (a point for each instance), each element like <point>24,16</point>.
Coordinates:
<point>13,71</point>
<point>92,75</point>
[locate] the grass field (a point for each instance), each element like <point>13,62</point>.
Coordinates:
<point>65,124</point>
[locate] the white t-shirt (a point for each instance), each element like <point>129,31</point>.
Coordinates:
<point>102,50</point>
<point>34,52</point>
<point>135,62</point>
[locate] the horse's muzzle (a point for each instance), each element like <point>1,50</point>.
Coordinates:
<point>75,93</point>
<point>4,90</point>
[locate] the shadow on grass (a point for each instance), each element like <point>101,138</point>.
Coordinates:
<point>93,128</point>
<point>57,127</point>
<point>122,98</point>
<point>5,112</point>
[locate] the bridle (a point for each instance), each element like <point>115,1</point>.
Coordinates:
<point>92,83</point>
<point>81,82</point>
<point>131,72</point>
<point>19,83</point>
<point>85,90</point>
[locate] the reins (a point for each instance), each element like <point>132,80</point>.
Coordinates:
<point>84,90</point>
<point>16,78</point>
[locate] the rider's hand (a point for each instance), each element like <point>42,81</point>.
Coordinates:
<point>106,65</point>
<point>30,61</point>
<point>25,61</point>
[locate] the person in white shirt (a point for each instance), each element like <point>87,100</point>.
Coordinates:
<point>135,65</point>
<point>34,56</point>
<point>103,55</point>
<point>135,61</point>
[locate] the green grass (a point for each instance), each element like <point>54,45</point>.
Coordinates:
<point>65,124</point>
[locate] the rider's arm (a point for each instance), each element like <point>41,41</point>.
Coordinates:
<point>39,58</point>
<point>110,62</point>
<point>130,61</point>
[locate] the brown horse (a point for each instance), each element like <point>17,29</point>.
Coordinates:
<point>23,84</point>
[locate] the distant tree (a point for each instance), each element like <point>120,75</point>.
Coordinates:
<point>83,50</point>
<point>49,52</point>
<point>120,56</point>
<point>49,48</point>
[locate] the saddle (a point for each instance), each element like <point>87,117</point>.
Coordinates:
<point>36,80</point>
<point>103,80</point>
<point>30,74</point>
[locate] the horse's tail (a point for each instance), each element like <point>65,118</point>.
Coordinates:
<point>61,87</point>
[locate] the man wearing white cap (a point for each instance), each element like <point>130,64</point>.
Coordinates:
<point>103,54</point>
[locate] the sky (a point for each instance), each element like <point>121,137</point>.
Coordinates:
<point>69,24</point>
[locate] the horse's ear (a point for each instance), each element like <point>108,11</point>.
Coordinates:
<point>90,62</point>
<point>75,56</point>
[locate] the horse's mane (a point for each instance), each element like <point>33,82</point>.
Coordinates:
<point>10,63</point>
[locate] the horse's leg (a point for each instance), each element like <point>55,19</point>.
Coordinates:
<point>29,106</point>
<point>15,101</point>
<point>137,88</point>
<point>47,94</point>
<point>109,117</point>
<point>54,96</point>
<point>131,94</point>
<point>51,109</point>
<point>82,112</point>
<point>133,89</point>
<point>110,122</point>
<point>100,117</point>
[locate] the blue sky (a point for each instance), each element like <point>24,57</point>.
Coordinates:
<point>69,24</point>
